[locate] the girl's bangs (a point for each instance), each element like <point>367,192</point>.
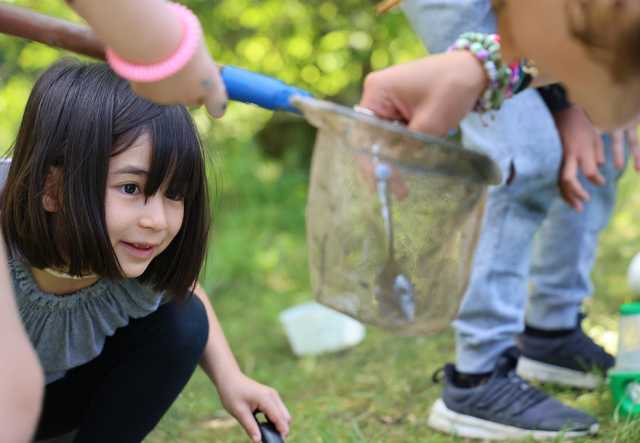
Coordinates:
<point>177,154</point>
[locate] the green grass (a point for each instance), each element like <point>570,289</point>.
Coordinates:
<point>380,391</point>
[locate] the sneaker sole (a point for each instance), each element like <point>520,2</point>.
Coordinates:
<point>543,372</point>
<point>445,420</point>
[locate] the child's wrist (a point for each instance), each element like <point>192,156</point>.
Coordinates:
<point>478,78</point>
<point>146,73</point>
<point>502,80</point>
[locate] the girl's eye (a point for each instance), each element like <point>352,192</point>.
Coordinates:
<point>174,195</point>
<point>130,188</point>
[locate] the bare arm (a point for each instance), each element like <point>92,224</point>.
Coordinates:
<point>145,32</point>
<point>218,360</point>
<point>240,395</point>
<point>116,21</point>
<point>21,378</point>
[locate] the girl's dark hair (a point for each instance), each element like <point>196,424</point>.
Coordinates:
<point>610,29</point>
<point>77,117</point>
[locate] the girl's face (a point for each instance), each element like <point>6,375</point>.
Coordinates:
<point>139,228</point>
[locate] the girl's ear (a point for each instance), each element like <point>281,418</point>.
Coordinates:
<point>51,197</point>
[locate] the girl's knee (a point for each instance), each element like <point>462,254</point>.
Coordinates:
<point>188,331</point>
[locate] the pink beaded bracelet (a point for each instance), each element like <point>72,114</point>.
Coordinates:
<point>192,32</point>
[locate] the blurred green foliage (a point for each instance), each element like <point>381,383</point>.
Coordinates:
<point>324,46</point>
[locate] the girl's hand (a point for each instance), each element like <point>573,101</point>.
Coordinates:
<point>431,95</point>
<point>241,396</point>
<point>618,138</point>
<point>583,151</point>
<point>198,83</point>
<point>147,31</point>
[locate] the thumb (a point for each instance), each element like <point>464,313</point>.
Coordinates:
<point>378,98</point>
<point>216,94</point>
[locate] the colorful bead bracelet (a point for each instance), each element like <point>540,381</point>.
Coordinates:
<point>504,80</point>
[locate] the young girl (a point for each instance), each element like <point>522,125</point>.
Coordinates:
<point>105,216</point>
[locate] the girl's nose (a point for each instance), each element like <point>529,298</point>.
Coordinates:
<point>154,214</point>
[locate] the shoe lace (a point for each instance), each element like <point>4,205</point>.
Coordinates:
<point>513,394</point>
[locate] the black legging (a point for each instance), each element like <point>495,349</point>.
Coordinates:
<point>123,393</point>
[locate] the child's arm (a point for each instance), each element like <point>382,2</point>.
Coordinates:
<point>431,95</point>
<point>582,151</point>
<point>240,395</point>
<point>146,32</point>
<point>21,377</point>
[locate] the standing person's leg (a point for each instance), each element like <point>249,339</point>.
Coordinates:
<point>123,393</point>
<point>492,311</point>
<point>483,397</point>
<point>555,349</point>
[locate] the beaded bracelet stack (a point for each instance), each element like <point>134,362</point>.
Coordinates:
<point>504,80</point>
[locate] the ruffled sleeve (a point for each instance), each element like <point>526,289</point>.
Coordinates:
<point>70,330</point>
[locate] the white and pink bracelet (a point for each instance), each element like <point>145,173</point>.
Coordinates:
<point>191,35</point>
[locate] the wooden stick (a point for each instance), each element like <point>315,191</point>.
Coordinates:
<point>24,23</point>
<point>387,5</point>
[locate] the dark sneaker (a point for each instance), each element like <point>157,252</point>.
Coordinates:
<point>571,360</point>
<point>505,407</point>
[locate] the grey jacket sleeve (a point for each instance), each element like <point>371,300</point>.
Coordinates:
<point>440,22</point>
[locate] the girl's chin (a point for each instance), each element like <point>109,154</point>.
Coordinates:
<point>133,274</point>
<point>134,271</point>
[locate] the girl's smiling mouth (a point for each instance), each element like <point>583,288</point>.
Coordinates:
<point>141,250</point>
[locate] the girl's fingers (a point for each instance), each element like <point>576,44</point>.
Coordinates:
<point>285,411</point>
<point>590,170</point>
<point>279,404</point>
<point>214,106</point>
<point>636,156</point>
<point>599,148</point>
<point>215,93</point>
<point>573,195</point>
<point>570,187</point>
<point>277,413</point>
<point>248,422</point>
<point>577,195</point>
<point>377,97</point>
<point>382,107</point>
<point>568,171</point>
<point>434,118</point>
<point>593,175</point>
<point>617,147</point>
<point>634,146</point>
<point>632,138</point>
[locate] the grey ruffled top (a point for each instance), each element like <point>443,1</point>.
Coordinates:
<point>70,330</point>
